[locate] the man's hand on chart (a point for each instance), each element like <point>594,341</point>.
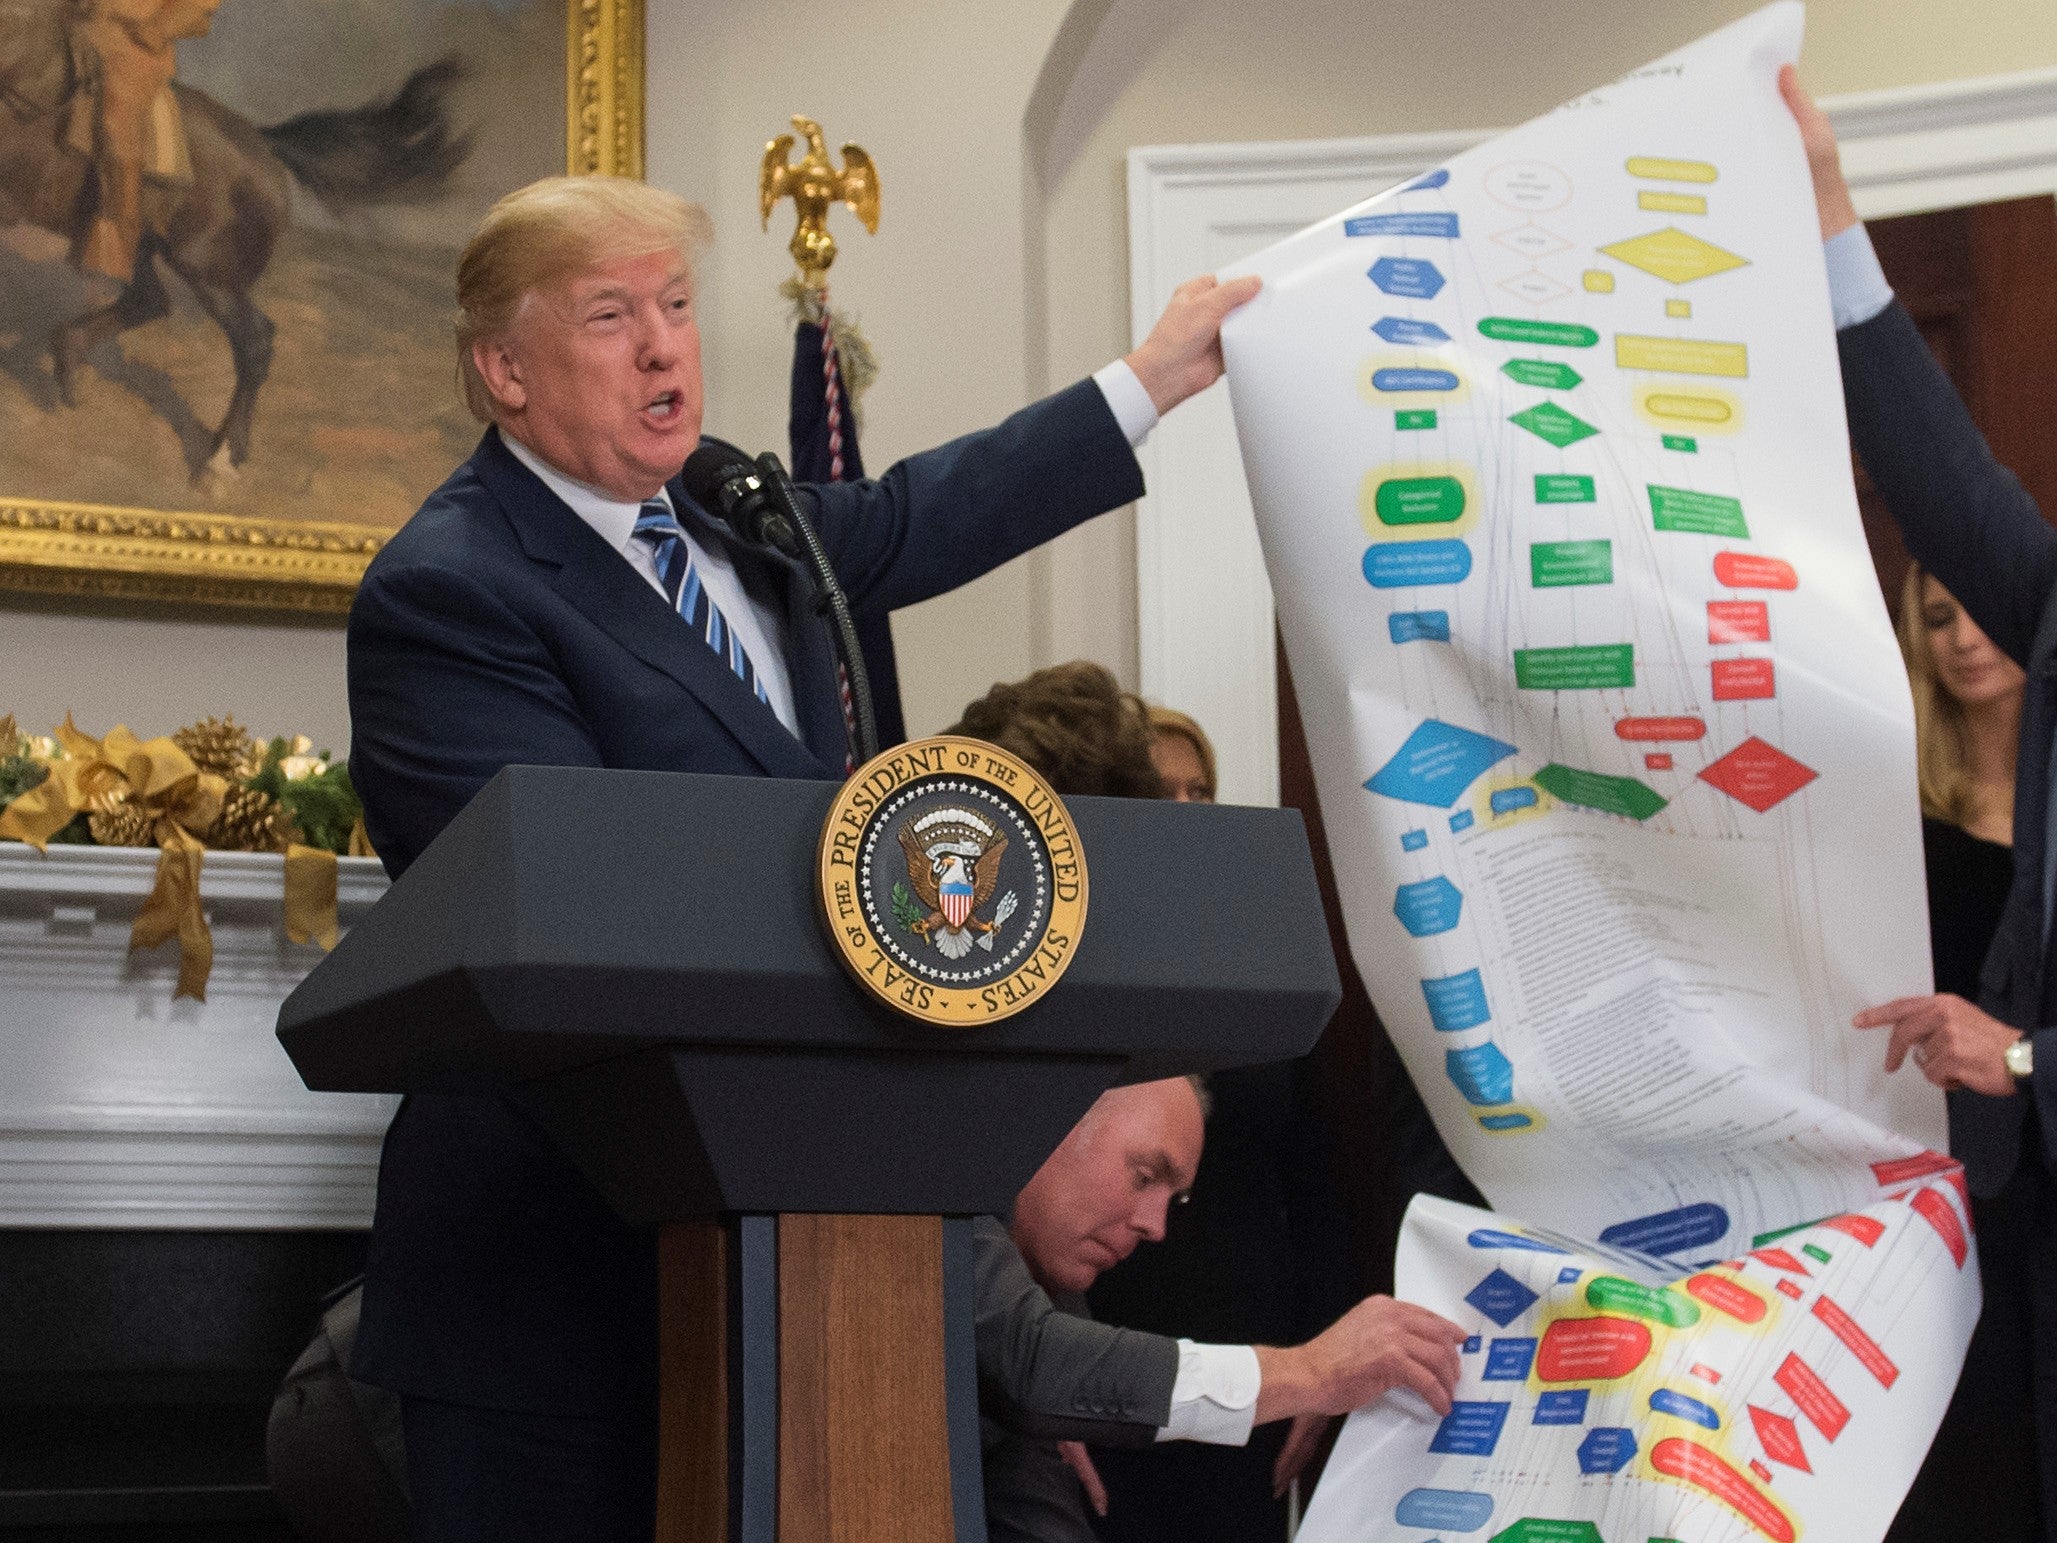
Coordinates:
<point>1375,1347</point>
<point>1954,1044</point>
<point>1831,193</point>
<point>1182,354</point>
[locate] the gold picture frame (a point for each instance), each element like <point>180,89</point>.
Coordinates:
<point>102,552</point>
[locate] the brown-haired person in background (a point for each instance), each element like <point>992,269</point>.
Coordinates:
<point>1980,1477</point>
<point>1261,1254</point>
<point>1183,756</point>
<point>1042,1363</point>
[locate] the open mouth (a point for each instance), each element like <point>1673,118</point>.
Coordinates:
<point>665,408</point>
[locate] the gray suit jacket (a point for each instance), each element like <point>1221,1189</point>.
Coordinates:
<point>1048,1373</point>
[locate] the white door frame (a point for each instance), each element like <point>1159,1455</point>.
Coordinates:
<point>1204,610</point>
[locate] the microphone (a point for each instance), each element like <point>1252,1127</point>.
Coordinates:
<point>757,501</point>
<point>726,482</point>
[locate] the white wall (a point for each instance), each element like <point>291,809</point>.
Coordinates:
<point>1000,267</point>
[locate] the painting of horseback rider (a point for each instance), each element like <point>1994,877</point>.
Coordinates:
<point>225,235</point>
<point>125,116</point>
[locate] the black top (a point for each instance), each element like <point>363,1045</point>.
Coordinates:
<point>1967,888</point>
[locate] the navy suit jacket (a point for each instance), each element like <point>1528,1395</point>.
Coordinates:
<point>1968,521</point>
<point>496,628</point>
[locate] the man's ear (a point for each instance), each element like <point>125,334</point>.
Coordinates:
<point>501,371</point>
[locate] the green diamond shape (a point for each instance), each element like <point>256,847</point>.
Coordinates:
<point>1547,373</point>
<point>1548,421</point>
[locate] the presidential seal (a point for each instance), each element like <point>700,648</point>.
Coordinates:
<point>952,881</point>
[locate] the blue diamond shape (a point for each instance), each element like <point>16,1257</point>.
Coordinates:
<point>1501,1297</point>
<point>1437,763</point>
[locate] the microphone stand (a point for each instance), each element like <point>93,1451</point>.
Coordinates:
<point>804,543</point>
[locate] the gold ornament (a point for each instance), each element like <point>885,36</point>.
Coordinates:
<point>218,745</point>
<point>124,825</point>
<point>10,737</point>
<point>813,183</point>
<point>252,822</point>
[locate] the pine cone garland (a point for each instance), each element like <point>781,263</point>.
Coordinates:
<point>123,825</point>
<point>218,745</point>
<point>252,822</point>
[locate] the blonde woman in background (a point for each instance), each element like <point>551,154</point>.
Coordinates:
<point>1980,1477</point>
<point>1183,756</point>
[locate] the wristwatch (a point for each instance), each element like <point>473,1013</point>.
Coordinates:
<point>2020,1058</point>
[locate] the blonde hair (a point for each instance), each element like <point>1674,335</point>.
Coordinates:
<point>558,226</point>
<point>1942,739</point>
<point>1169,720</point>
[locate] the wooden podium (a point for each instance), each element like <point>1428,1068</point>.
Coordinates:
<point>811,1161</point>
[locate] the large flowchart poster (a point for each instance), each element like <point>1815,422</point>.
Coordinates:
<point>1616,757</point>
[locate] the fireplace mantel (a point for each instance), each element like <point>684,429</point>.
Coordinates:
<point>121,1108</point>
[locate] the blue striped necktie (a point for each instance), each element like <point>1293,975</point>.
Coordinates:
<point>658,528</point>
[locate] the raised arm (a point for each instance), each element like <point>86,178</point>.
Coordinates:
<point>1965,516</point>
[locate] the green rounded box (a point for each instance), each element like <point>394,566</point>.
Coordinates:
<point>1419,501</point>
<point>1612,1294</point>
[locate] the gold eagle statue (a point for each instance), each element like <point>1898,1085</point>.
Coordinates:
<point>813,183</point>
<point>924,878</point>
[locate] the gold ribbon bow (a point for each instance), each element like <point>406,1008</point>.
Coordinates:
<point>181,803</point>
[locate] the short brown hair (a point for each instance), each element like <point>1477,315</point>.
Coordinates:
<point>540,233</point>
<point>1075,725</point>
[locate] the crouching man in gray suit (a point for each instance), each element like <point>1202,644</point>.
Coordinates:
<point>1051,1379</point>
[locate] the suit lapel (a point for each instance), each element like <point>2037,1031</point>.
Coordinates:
<point>601,585</point>
<point>810,651</point>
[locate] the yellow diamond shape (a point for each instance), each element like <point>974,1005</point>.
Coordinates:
<point>1675,256</point>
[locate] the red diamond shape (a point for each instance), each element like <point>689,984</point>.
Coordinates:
<point>1758,774</point>
<point>1780,1439</point>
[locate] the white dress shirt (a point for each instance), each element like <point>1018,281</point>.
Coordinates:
<point>1857,287</point>
<point>758,627</point>
<point>1214,1398</point>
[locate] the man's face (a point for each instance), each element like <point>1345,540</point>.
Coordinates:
<point>1107,1188</point>
<point>600,374</point>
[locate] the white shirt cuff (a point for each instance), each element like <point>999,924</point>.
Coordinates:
<point>1127,400</point>
<point>1857,287</point>
<point>1215,1397</point>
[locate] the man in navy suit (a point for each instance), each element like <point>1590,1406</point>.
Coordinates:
<point>1969,522</point>
<point>561,601</point>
